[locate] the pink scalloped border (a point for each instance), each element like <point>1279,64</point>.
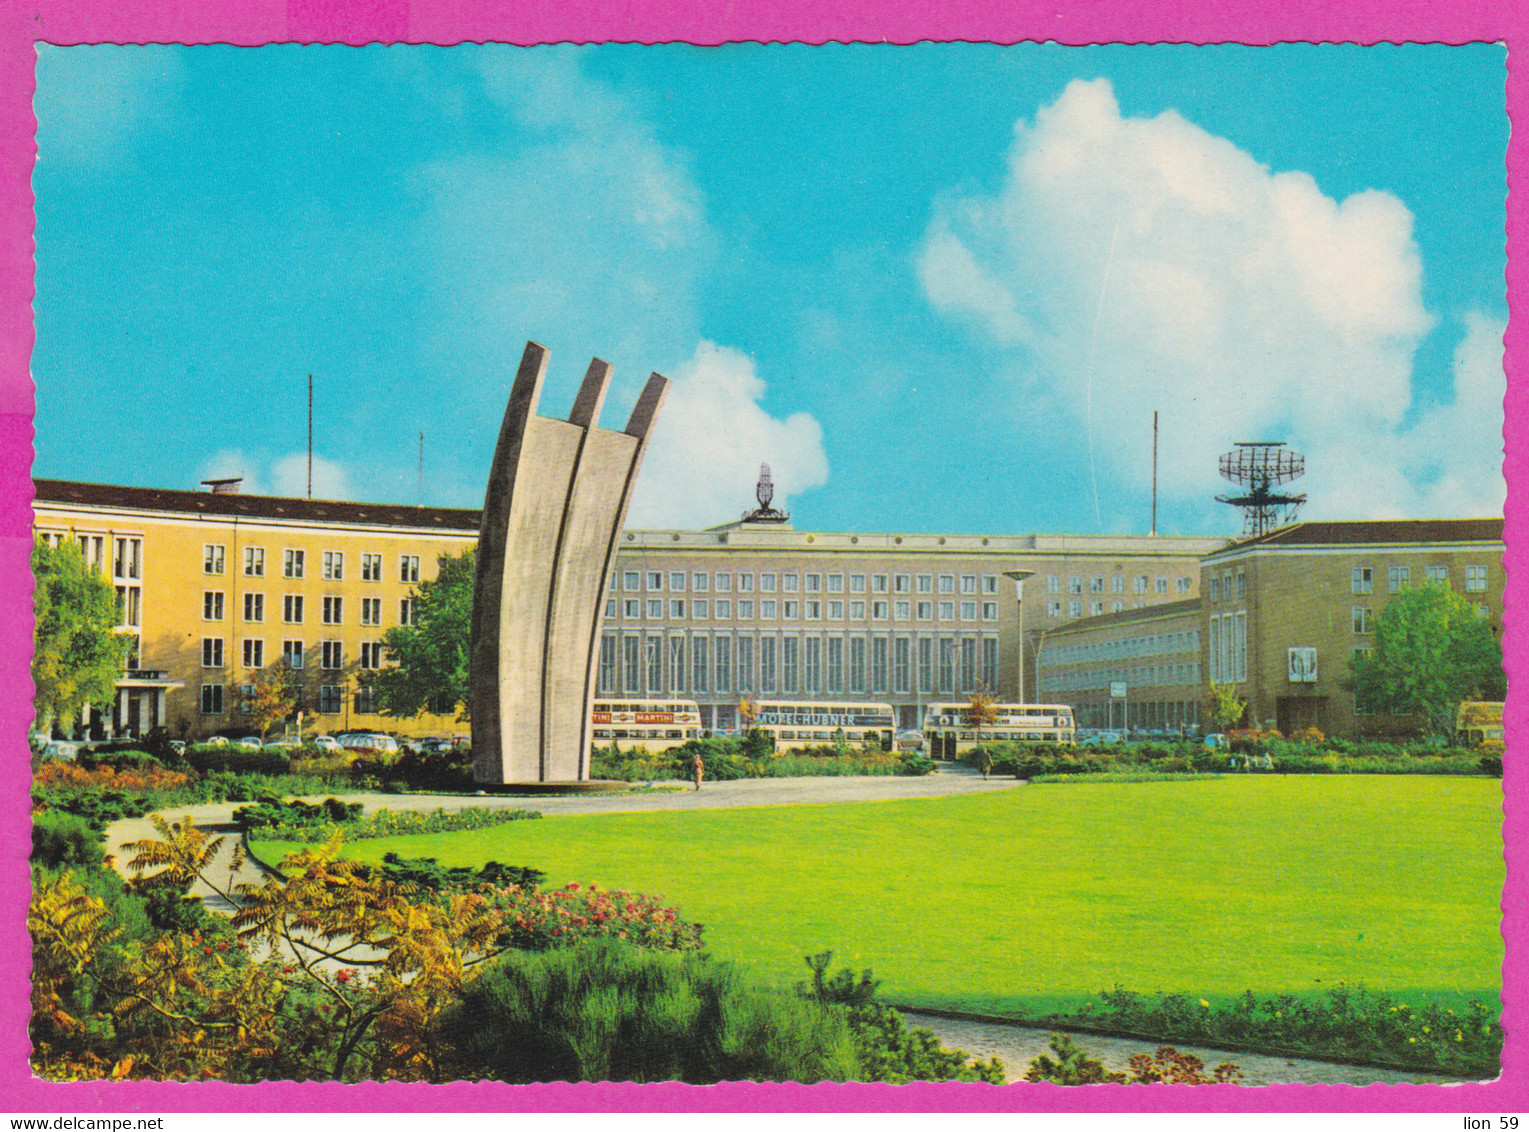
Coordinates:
<point>897,21</point>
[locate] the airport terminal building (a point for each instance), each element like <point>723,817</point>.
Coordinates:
<point>216,585</point>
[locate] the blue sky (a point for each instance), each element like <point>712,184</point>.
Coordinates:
<point>937,288</point>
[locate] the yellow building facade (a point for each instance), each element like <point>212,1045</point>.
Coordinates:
<point>215,588</point>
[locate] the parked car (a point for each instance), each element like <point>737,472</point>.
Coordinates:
<point>178,746</point>
<point>1102,739</point>
<point>249,742</point>
<point>62,749</point>
<point>368,741</point>
<point>285,743</point>
<point>215,741</point>
<point>325,743</point>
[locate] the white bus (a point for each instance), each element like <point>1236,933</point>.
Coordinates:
<point>947,734</point>
<point>814,723</point>
<point>657,725</point>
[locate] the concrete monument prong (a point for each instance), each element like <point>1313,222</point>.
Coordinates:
<point>554,508</point>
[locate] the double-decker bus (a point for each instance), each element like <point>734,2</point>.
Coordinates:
<point>655,724</point>
<point>947,734</point>
<point>816,722</point>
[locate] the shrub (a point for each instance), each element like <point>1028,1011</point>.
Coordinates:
<point>271,812</point>
<point>1073,1066</point>
<point>64,840</point>
<point>386,823</point>
<point>423,872</point>
<point>1167,1066</point>
<point>886,1048</point>
<point>539,920</point>
<point>240,760</point>
<point>612,1012</point>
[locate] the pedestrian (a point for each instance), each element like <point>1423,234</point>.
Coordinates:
<point>697,769</point>
<point>986,761</point>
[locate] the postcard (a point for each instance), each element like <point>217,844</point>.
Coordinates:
<point>672,566</point>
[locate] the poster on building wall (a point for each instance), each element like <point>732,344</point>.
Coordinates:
<point>1302,664</point>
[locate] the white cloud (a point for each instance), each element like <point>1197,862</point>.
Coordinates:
<point>703,461</point>
<point>1131,265</point>
<point>285,476</point>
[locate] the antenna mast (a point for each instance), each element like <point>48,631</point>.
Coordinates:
<point>1153,531</point>
<point>421,467</point>
<point>1260,467</point>
<point>310,436</point>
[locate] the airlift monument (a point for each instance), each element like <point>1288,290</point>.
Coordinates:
<point>556,502</point>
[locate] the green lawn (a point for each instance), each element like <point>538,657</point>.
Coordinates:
<point>1021,901</point>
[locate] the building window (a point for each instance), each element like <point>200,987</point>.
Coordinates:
<point>1475,579</point>
<point>677,609</point>
<point>330,698</point>
<point>1054,608</point>
<point>1139,584</point>
<point>332,655</point>
<point>724,611</point>
<point>1361,618</point>
<point>1361,580</point>
<point>677,581</point>
<point>792,610</point>
<point>371,611</point>
<point>212,605</point>
<point>371,654</point>
<point>334,609</point>
<point>857,611</point>
<point>1096,585</point>
<point>254,653</point>
<point>722,654</point>
<point>878,664</point>
<point>990,611</point>
<point>212,652</point>
<point>724,582</point>
<point>766,585</point>
<point>408,567</point>
<point>698,669</point>
<point>366,700</point>
<point>766,611</point>
<point>1398,578</point>
<point>1053,584</point>
<point>789,583</point>
<point>1215,589</point>
<point>631,581</point>
<point>608,669</point>
<point>1075,609</point>
<point>878,611</point>
<point>334,565</point>
<point>631,607</point>
<point>925,665</point>
<point>990,662</point>
<point>901,610</point>
<point>969,610</point>
<point>1162,584</point>
<point>947,664</point>
<point>408,613</point>
<point>835,647</point>
<point>745,611</point>
<point>900,667</point>
<point>655,608</point>
<point>698,610</point>
<point>745,583</point>
<point>857,583</point>
<point>836,583</point>
<point>698,581</point>
<point>902,583</point>
<point>814,610</point>
<point>925,610</point>
<point>1183,585</point>
<point>254,607</point>
<point>1117,606</point>
<point>254,561</point>
<point>212,558</point>
<point>371,567</point>
<point>212,699</point>
<point>767,664</point>
<point>292,564</point>
<point>788,662</point>
<point>857,664</point>
<point>1118,583</point>
<point>925,583</point>
<point>1438,574</point>
<point>292,653</point>
<point>1095,608</point>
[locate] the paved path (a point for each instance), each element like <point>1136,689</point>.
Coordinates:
<point>1016,1046</point>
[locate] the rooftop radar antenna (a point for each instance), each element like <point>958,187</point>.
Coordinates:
<point>1259,467</point>
<point>764,491</point>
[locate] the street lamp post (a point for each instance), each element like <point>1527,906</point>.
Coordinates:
<point>1019,577</point>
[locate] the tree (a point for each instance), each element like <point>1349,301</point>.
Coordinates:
<point>982,711</point>
<point>432,658</point>
<point>77,653</point>
<point>272,699</point>
<point>1431,651</point>
<point>1225,706</point>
